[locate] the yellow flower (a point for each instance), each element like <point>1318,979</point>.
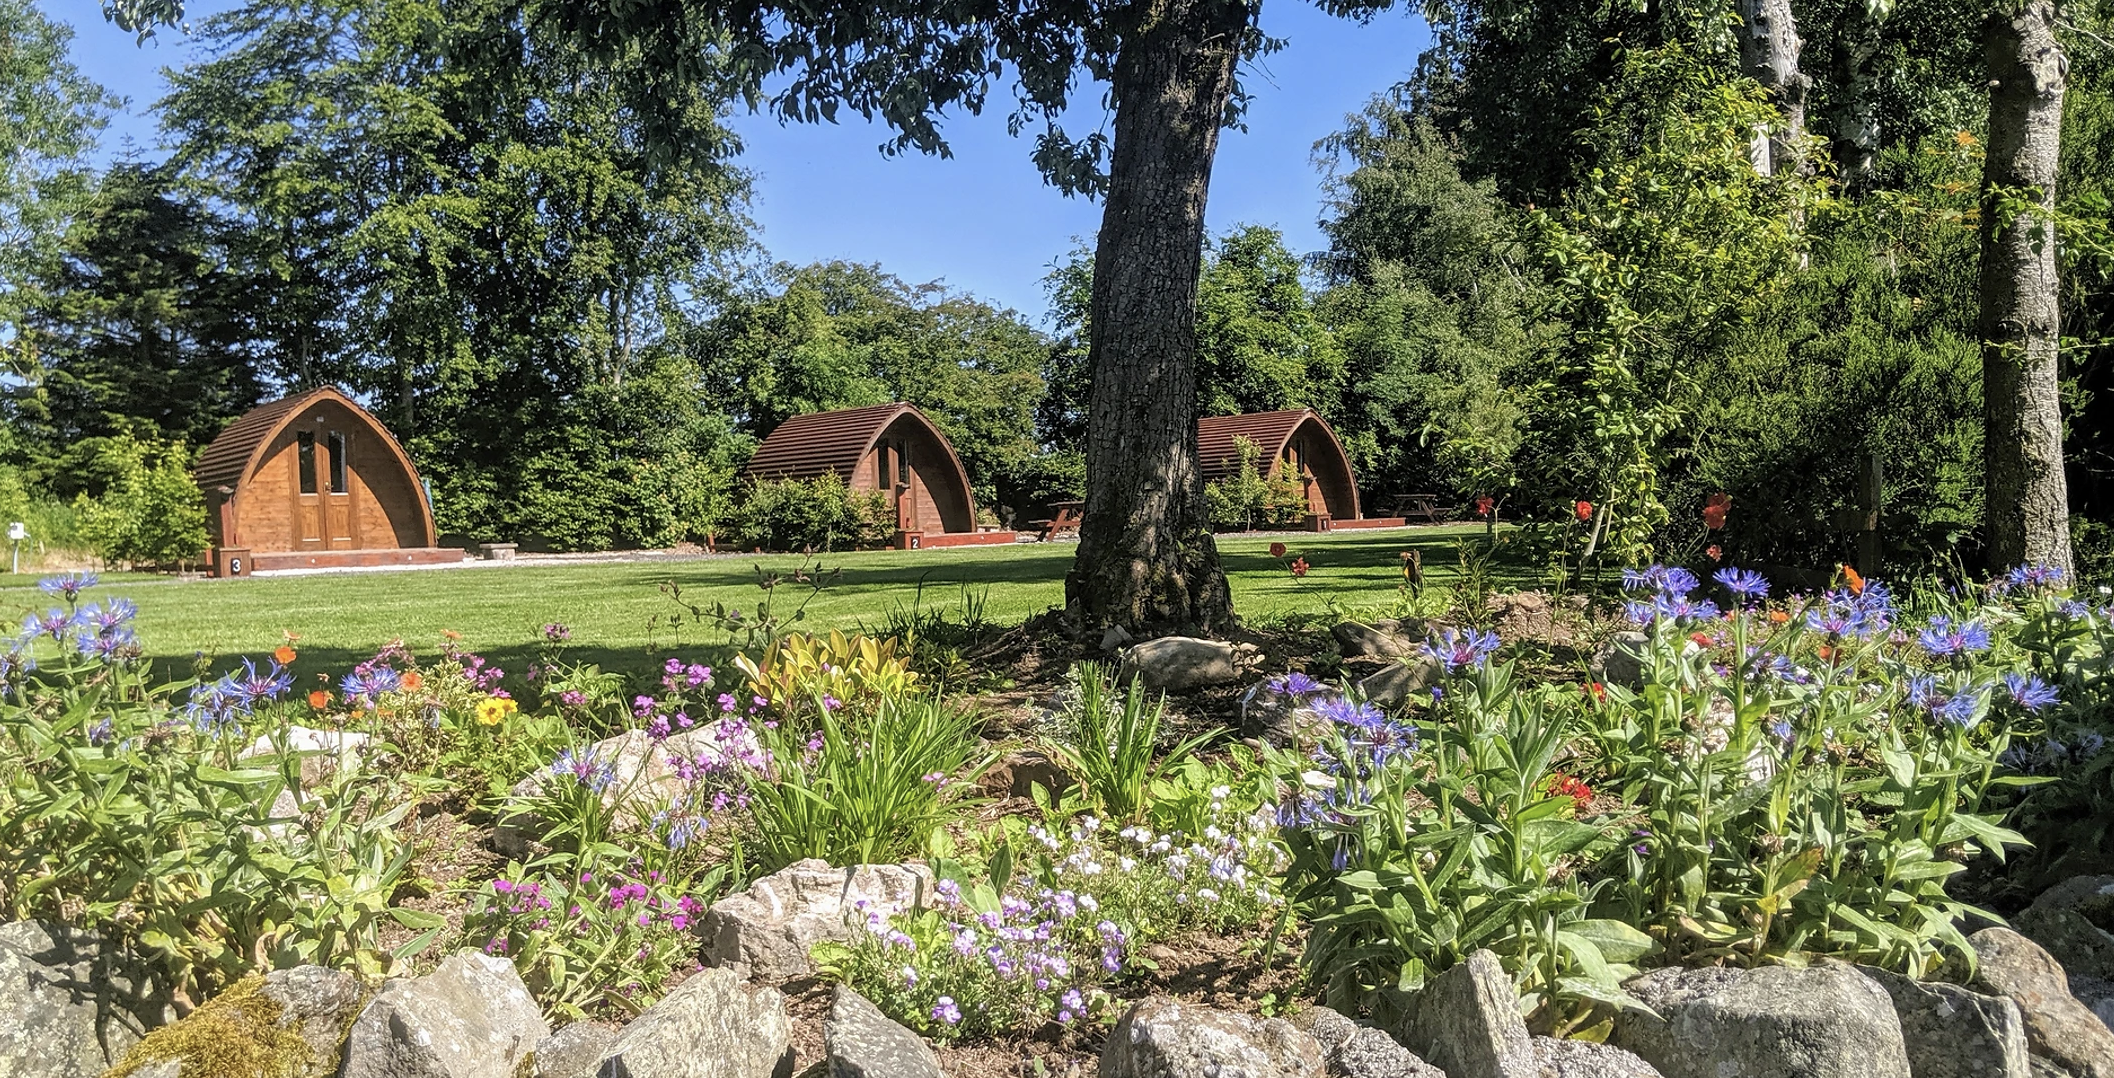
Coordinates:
<point>493,710</point>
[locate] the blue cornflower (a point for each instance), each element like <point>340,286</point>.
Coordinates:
<point>54,623</point>
<point>1681,609</point>
<point>2029,692</point>
<point>1781,729</point>
<point>1844,612</point>
<point>2033,576</point>
<point>102,732</point>
<point>1664,579</point>
<point>106,647</point>
<point>585,768</point>
<point>217,706</point>
<point>1943,641</point>
<point>256,687</point>
<point>109,615</point>
<point>367,682</point>
<point>2072,609</point>
<point>1922,691</point>
<point>1460,649</point>
<point>1345,712</point>
<point>1294,683</point>
<point>1744,584</point>
<point>1963,710</point>
<point>67,586</point>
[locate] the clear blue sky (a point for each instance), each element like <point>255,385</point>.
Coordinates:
<point>982,221</point>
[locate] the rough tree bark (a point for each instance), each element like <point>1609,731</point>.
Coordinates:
<point>1146,556</point>
<point>1854,119</point>
<point>1769,47</point>
<point>2028,502</point>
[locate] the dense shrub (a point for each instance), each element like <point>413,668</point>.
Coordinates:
<point>1248,498</point>
<point>809,514</point>
<point>151,512</point>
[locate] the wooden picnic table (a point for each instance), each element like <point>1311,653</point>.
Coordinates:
<point>1064,520</point>
<point>1427,506</point>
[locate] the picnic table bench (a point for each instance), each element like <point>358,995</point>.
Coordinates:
<point>1064,520</point>
<point>1425,506</point>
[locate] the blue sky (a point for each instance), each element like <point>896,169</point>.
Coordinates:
<point>982,221</point>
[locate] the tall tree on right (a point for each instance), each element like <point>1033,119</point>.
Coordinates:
<point>2027,497</point>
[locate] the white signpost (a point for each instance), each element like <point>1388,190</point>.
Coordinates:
<point>17,532</point>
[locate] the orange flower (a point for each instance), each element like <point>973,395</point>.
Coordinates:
<point>1299,567</point>
<point>1702,640</point>
<point>451,634</point>
<point>1850,577</point>
<point>319,699</point>
<point>1778,617</point>
<point>1964,138</point>
<point>1584,509</point>
<point>1277,550</point>
<point>1714,511</point>
<point>1596,690</point>
<point>1716,552</point>
<point>285,654</point>
<point>1827,654</point>
<point>411,681</point>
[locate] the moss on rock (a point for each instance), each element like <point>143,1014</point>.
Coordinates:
<point>239,1034</point>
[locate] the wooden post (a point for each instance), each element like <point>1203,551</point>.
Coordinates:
<point>1870,488</point>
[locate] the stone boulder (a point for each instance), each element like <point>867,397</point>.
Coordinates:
<point>1019,773</point>
<point>2074,919</point>
<point>1393,685</point>
<point>2059,1029</point>
<point>1584,1059</point>
<point>861,1042</point>
<point>2097,994</point>
<point>288,1023</point>
<point>573,1051</point>
<point>1385,639</point>
<point>1355,1051</point>
<point>1823,1022</point>
<point>709,1027</point>
<point>1466,1021</point>
<point>471,1018</point>
<point>71,1004</point>
<point>645,777</point>
<point>766,932</point>
<point>1166,1038</point>
<point>1954,1032</point>
<point>1620,661</point>
<point>1179,664</point>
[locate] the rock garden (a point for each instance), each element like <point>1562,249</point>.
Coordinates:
<point>1680,827</point>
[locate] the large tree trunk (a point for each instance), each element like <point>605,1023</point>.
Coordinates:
<point>2028,499</point>
<point>1769,48</point>
<point>1146,557</point>
<point>1854,119</point>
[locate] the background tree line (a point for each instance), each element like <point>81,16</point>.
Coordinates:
<point>1559,270</point>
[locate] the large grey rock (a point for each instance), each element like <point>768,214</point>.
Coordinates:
<point>1954,1032</point>
<point>71,1005</point>
<point>1393,685</point>
<point>1355,1051</point>
<point>861,1042</point>
<point>767,931</point>
<point>2059,1029</point>
<point>1383,639</point>
<point>644,778</point>
<point>2097,994</point>
<point>1467,1022</point>
<point>1583,1059</point>
<point>1166,1038</point>
<point>1620,661</point>
<point>572,1051</point>
<point>288,1023</point>
<point>471,1018</point>
<point>1824,1022</point>
<point>1180,663</point>
<point>709,1027</point>
<point>2072,921</point>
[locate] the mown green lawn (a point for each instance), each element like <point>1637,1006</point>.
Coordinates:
<point>619,612</point>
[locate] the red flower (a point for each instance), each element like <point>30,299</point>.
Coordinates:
<point>1484,504</point>
<point>1585,510</point>
<point>1714,511</point>
<point>1597,691</point>
<point>1562,785</point>
<point>1277,550</point>
<point>1716,552</point>
<point>1299,567</point>
<point>1702,640</point>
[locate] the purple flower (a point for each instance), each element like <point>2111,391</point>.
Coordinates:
<point>67,586</point>
<point>557,632</point>
<point>2032,576</point>
<point>946,1013</point>
<point>1943,641</point>
<point>54,623</point>
<point>1294,683</point>
<point>1745,585</point>
<point>2029,692</point>
<point>369,680</point>
<point>1461,649</point>
<point>257,687</point>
